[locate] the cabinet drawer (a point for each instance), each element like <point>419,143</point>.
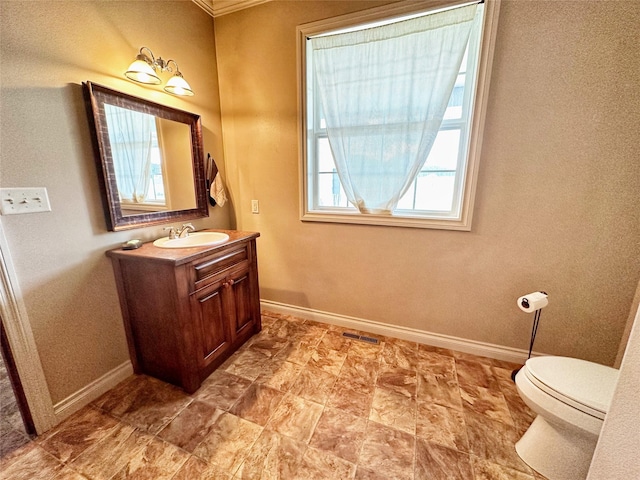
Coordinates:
<point>214,264</point>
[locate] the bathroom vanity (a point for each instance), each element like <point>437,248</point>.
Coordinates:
<point>186,310</point>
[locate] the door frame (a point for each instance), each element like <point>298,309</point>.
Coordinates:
<point>15,383</point>
<point>22,345</point>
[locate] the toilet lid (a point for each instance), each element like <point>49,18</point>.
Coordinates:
<point>584,385</point>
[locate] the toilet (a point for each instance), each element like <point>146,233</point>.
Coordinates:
<point>570,398</point>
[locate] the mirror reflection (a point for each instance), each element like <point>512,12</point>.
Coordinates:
<point>149,157</point>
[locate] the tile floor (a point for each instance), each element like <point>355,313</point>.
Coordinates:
<point>298,401</point>
<point>12,432</point>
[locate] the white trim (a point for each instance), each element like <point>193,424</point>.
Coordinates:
<point>93,390</point>
<point>25,353</point>
<point>218,8</point>
<point>388,220</point>
<point>482,349</point>
<point>479,113</point>
<point>22,343</point>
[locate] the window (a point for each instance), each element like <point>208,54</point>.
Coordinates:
<point>439,192</point>
<point>137,156</point>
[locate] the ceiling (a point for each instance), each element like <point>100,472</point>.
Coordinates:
<point>217,8</point>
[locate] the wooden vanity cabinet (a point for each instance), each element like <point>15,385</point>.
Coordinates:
<point>187,310</point>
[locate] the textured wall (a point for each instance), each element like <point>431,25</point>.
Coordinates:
<point>616,455</point>
<point>47,50</point>
<point>557,206</point>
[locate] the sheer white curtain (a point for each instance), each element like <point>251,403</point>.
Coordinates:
<point>131,139</point>
<point>384,91</point>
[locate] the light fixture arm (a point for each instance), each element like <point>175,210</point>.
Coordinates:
<point>169,69</point>
<point>150,59</point>
<point>157,63</point>
<point>175,86</point>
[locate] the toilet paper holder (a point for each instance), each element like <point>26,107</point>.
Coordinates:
<point>539,300</point>
<point>525,302</point>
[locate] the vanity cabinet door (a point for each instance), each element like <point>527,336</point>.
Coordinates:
<point>224,315</point>
<point>242,317</point>
<point>210,307</point>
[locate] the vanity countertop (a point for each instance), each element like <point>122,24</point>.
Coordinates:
<point>178,256</point>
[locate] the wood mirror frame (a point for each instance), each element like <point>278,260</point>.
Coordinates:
<point>96,96</point>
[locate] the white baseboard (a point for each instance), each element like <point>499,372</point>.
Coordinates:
<point>90,392</point>
<point>482,349</point>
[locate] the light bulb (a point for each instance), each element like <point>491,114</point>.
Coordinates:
<point>141,71</point>
<point>178,86</point>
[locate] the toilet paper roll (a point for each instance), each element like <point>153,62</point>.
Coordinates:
<point>533,301</point>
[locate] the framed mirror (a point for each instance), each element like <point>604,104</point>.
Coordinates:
<point>150,159</point>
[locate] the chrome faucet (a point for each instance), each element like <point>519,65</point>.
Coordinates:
<point>172,232</point>
<point>184,231</point>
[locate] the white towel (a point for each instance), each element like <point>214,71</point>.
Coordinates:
<point>217,191</point>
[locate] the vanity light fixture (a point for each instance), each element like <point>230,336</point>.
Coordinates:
<point>145,67</point>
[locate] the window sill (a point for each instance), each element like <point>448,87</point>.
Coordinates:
<point>461,224</point>
<point>143,207</point>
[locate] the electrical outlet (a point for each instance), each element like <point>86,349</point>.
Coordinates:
<point>255,207</point>
<point>14,201</point>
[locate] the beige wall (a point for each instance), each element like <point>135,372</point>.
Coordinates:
<point>47,50</point>
<point>557,206</point>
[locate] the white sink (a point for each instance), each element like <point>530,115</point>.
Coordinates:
<point>195,239</point>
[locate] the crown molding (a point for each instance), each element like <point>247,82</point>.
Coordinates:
<point>217,8</point>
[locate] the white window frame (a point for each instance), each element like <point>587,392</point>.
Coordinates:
<point>469,178</point>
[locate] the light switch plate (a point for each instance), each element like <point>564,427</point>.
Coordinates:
<point>255,206</point>
<point>14,201</point>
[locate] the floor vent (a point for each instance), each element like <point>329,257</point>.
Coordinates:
<point>363,338</point>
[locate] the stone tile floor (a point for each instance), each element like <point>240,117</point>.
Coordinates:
<point>298,401</point>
